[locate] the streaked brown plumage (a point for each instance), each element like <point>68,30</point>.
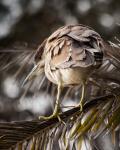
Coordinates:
<point>70,55</point>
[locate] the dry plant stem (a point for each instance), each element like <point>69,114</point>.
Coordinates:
<point>65,115</point>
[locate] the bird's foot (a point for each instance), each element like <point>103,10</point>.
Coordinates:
<point>54,115</point>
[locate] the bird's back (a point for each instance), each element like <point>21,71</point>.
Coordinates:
<point>73,47</point>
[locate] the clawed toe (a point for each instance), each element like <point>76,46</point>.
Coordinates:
<point>43,118</point>
<point>47,118</point>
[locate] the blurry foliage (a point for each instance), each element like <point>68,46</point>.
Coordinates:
<point>24,24</point>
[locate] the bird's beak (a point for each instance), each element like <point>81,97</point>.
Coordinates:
<point>37,70</point>
<point>30,76</point>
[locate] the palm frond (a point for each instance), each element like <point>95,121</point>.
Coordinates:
<point>38,134</point>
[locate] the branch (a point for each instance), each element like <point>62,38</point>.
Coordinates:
<point>12,132</point>
<point>64,116</point>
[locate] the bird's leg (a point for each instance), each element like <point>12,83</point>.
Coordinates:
<point>82,97</point>
<point>57,105</point>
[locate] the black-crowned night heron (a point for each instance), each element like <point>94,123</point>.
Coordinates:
<point>68,57</point>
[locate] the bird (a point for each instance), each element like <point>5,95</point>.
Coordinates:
<point>68,57</point>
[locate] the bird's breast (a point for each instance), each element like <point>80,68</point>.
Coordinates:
<point>69,76</point>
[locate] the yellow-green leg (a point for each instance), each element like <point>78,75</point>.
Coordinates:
<point>82,97</point>
<point>57,105</point>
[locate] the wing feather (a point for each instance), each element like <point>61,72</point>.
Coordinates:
<point>74,46</point>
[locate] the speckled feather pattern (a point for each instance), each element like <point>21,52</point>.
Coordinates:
<point>71,54</point>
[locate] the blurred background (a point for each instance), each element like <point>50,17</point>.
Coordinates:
<point>24,24</point>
